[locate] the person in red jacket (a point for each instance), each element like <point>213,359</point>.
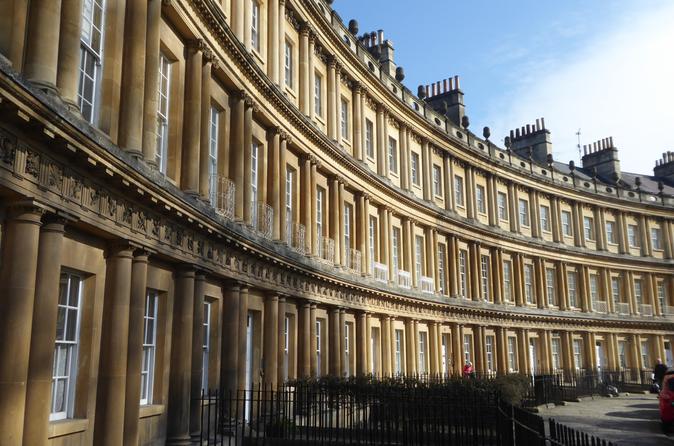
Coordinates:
<point>468,371</point>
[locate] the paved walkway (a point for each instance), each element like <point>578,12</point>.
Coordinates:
<point>626,420</point>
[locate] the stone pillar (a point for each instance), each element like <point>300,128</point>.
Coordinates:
<point>247,163</point>
<point>424,170</point>
<point>204,178</point>
<point>501,350</point>
<point>197,364</point>
<point>281,38</point>
<point>523,351</point>
<point>13,24</point>
<point>331,117</point>
<point>412,240</point>
<point>274,187</point>
<point>433,347</point>
<point>238,20</point>
<point>362,232</point>
<point>45,310</point>
<point>274,44</point>
<point>387,369</point>
<point>404,158</point>
<point>135,346</point>
<point>447,176</point>
<point>282,185</point>
<point>67,77</point>
<point>361,345</point>
<point>305,194</point>
<point>335,342</point>
<point>457,348</point>
<point>344,250</point>
<point>271,332</point>
<point>230,338</point>
<point>304,90</point>
<point>282,367</point>
<point>453,255</point>
<point>343,366</point>
<point>178,419</point>
<point>189,172</point>
<point>109,428</point>
<point>42,43</point>
<point>478,348</point>
<point>384,232</point>
<point>243,338</point>
<point>311,236</point>
<point>313,341</point>
<point>133,79</point>
<point>334,216</point>
<point>410,350</point>
<point>357,123</point>
<point>237,164</point>
<point>382,158</point>
<point>304,341</point>
<point>152,53</point>
<point>368,343</point>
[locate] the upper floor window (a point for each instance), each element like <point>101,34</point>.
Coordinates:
<point>164,89</point>
<point>556,350</point>
<point>550,286</point>
<point>318,95</point>
<point>319,212</point>
<point>290,193</point>
<point>414,169</point>
<point>255,25</point>
<point>615,289</point>
<point>588,228</point>
<point>149,347</point>
<point>656,238</point>
<point>91,57</point>
<point>369,138</point>
<point>566,224</point>
<point>489,352</point>
<point>288,64</point>
<point>442,279</point>
<point>419,256</point>
<point>524,212</point>
<point>571,283</point>
<point>458,190</point>
<point>512,353</point>
<point>502,199</point>
<point>578,353</point>
<point>253,182</point>
<point>480,199</point>
<point>422,352</point>
<point>395,247</point>
<point>529,283</point>
<point>462,272</point>
<point>610,232</point>
<point>372,234</point>
<point>633,235</point>
<point>393,155</point>
<point>347,227</point>
<point>64,371</point>
<point>594,287</point>
<point>213,153</point>
<point>345,119</point>
<point>507,280</point>
<point>437,181</point>
<point>638,292</point>
<point>545,218</point>
<point>484,277</point>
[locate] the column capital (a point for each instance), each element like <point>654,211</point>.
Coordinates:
<point>196,45</point>
<point>272,296</point>
<point>120,248</point>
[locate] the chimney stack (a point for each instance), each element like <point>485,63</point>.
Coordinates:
<point>535,137</point>
<point>602,155</point>
<point>447,91</point>
<point>664,168</point>
<point>382,50</point>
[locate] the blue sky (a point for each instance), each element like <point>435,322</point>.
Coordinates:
<point>605,67</point>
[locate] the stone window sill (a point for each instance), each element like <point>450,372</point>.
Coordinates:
<point>70,426</point>
<point>151,410</point>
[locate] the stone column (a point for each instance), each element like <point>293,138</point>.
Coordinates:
<point>109,428</point>
<point>478,348</point>
<point>382,158</point>
<point>404,158</point>
<point>273,41</point>
<point>45,310</point>
<point>523,351</point>
<point>197,364</point>
<point>313,341</point>
<point>305,91</point>
<point>178,419</point>
<point>425,171</point>
<point>343,366</point>
<point>410,350</point>
<point>237,163</point>
<point>152,53</point>
<point>334,216</point>
<point>361,345</point>
<point>247,163</point>
<point>189,172</point>
<point>357,123</point>
<point>457,348</point>
<point>271,332</point>
<point>238,20</point>
<point>335,342</point>
<point>386,346</point>
<point>282,185</point>
<point>433,347</point>
<point>469,191</point>
<point>501,350</point>
<point>447,175</point>
<point>274,187</point>
<point>135,346</point>
<point>453,255</point>
<point>283,367</point>
<point>332,100</point>
<point>42,43</point>
<point>304,341</point>
<point>205,131</point>
<point>67,77</point>
<point>305,193</point>
<point>243,338</point>
<point>230,338</point>
<point>362,234</point>
<point>368,342</point>
<point>344,250</point>
<point>133,79</point>
<point>311,235</point>
<point>281,38</point>
<point>412,240</point>
<point>312,75</point>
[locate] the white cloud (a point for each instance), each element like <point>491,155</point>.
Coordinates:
<point>621,84</point>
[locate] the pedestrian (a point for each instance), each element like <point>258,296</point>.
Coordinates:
<point>468,371</point>
<point>659,372</point>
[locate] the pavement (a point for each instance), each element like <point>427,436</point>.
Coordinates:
<point>626,420</point>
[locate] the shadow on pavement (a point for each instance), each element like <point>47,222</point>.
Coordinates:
<point>641,414</point>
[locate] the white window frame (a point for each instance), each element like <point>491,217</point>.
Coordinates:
<point>254,152</point>
<point>163,113</point>
<point>638,292</point>
<point>414,169</point>
<point>567,228</point>
<point>484,270</point>
<point>422,351</point>
<point>489,352</point>
<point>66,345</point>
<point>148,363</point>
<point>289,190</point>
<point>480,199</point>
<point>418,256</point>
<point>319,213</point>
<point>577,345</point>
<point>545,218</point>
<point>318,95</point>
<point>524,212</point>
<point>255,25</point>
<point>467,350</point>
<point>656,237</point>
<point>318,352</point>
<point>206,347</point>
<point>571,285</point>
<point>633,236</point>
<point>555,348</point>
<point>528,283</point>
<point>502,199</point>
<point>214,124</point>
<point>372,241</point>
<point>588,227</point>
<point>347,348</point>
<point>347,227</point>
<point>344,121</point>
<point>393,155</point>
<point>437,180</point>
<point>594,287</point>
<point>288,63</point>
<point>395,247</point>
<point>550,286</point>
<point>442,277</point>
<point>610,232</point>
<point>462,272</point>
<point>507,280</point>
<point>369,138</point>
<point>91,58</point>
<point>512,353</point>
<point>398,352</point>
<point>458,191</point>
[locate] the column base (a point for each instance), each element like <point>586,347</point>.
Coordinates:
<point>45,86</point>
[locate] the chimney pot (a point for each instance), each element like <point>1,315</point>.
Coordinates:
<point>528,129</point>
<point>512,135</point>
<point>543,123</point>
<point>428,91</point>
<point>538,124</point>
<point>444,85</point>
<point>517,133</point>
<point>381,36</point>
<point>456,82</point>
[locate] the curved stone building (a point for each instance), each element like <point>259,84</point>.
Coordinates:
<point>221,193</point>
